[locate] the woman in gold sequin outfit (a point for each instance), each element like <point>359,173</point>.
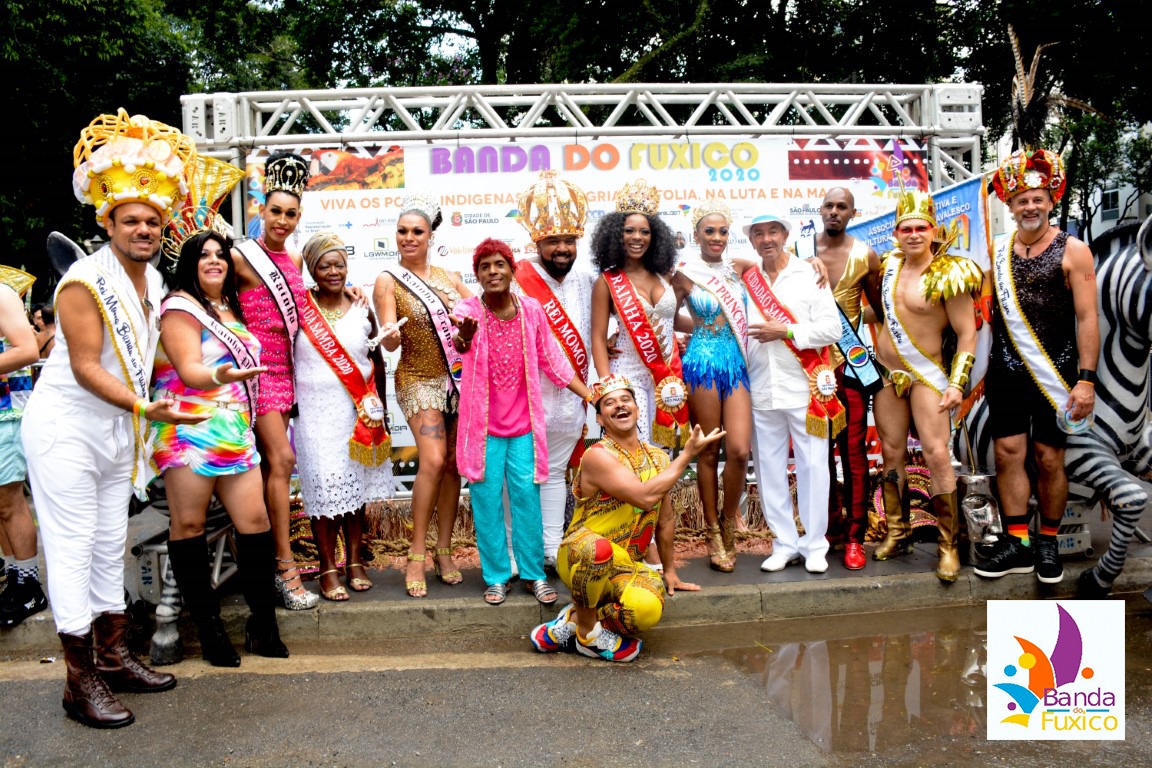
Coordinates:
<point>425,388</point>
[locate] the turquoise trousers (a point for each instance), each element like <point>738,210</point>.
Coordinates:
<point>512,459</point>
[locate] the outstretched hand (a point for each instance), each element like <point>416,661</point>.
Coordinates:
<point>698,441</point>
<point>165,411</point>
<point>465,326</point>
<point>227,374</point>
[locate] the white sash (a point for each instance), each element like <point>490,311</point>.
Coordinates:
<point>1035,357</point>
<point>926,370</point>
<point>238,349</point>
<point>277,283</point>
<point>728,299</point>
<point>441,322</point>
<point>136,357</point>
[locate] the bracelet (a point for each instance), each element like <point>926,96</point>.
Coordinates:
<point>791,336</point>
<point>1088,376</point>
<point>216,379</point>
<point>962,363</point>
<point>139,408</point>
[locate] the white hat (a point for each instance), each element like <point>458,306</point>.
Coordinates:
<point>768,218</point>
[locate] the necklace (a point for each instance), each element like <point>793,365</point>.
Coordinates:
<point>219,307</point>
<point>1028,246</point>
<point>643,458</point>
<point>331,315</point>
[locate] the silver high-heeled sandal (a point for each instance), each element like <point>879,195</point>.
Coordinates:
<point>295,598</point>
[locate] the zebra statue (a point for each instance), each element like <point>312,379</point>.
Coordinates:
<point>1107,462</point>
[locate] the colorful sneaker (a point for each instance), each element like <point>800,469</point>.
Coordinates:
<point>555,635</point>
<point>1048,567</point>
<point>1011,557</point>
<point>607,645</point>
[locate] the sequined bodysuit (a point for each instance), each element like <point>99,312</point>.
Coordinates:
<point>263,319</point>
<point>713,358</point>
<point>422,378</point>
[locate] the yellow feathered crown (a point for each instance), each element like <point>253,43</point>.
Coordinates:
<point>209,182</point>
<point>553,207</point>
<point>913,204</point>
<point>638,197</point>
<point>122,159</point>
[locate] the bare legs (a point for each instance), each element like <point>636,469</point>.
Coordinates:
<point>734,414</point>
<point>436,489</point>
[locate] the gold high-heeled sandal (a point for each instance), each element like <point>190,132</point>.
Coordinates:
<point>355,583</point>
<point>416,588</point>
<point>451,578</point>
<point>718,558</point>
<point>337,594</point>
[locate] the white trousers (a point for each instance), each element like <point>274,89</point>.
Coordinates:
<point>80,469</point>
<point>771,430</point>
<point>553,493</point>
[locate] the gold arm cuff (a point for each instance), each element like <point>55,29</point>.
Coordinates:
<point>961,368</point>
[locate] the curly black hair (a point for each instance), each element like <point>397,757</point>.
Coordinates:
<point>608,244</point>
<point>187,274</point>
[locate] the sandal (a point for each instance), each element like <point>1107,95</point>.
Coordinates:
<point>542,590</point>
<point>337,594</point>
<point>416,588</point>
<point>451,578</point>
<point>295,598</point>
<point>355,583</point>
<point>496,594</point>
<point>718,557</point>
<point>728,527</point>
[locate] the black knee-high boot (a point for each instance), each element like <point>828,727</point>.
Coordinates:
<point>189,558</point>
<point>256,558</point>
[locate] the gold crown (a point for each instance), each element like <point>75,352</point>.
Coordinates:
<point>610,383</point>
<point>1026,170</point>
<point>285,173</point>
<point>913,204</point>
<point>553,207</point>
<point>19,280</point>
<point>638,197</point>
<point>707,209</point>
<point>122,159</point>
<point>209,182</point>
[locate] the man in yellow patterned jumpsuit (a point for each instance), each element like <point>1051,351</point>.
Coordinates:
<point>621,495</point>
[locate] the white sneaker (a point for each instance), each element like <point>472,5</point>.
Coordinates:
<point>816,564</point>
<point>776,562</point>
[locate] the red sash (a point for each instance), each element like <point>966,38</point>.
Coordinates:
<point>370,443</point>
<point>563,329</point>
<point>670,427</point>
<point>817,363</point>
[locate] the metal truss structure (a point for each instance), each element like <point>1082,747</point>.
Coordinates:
<point>945,118</point>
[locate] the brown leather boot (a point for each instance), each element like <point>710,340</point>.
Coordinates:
<point>947,511</point>
<point>898,540</point>
<point>87,699</point>
<point>117,665</point>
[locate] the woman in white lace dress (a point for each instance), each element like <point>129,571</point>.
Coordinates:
<point>342,445</point>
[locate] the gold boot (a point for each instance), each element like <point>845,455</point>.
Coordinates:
<point>948,522</point>
<point>728,535</point>
<point>897,541</point>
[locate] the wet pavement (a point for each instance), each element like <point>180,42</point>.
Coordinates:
<point>900,688</point>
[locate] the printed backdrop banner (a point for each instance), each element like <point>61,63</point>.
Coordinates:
<point>478,185</point>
